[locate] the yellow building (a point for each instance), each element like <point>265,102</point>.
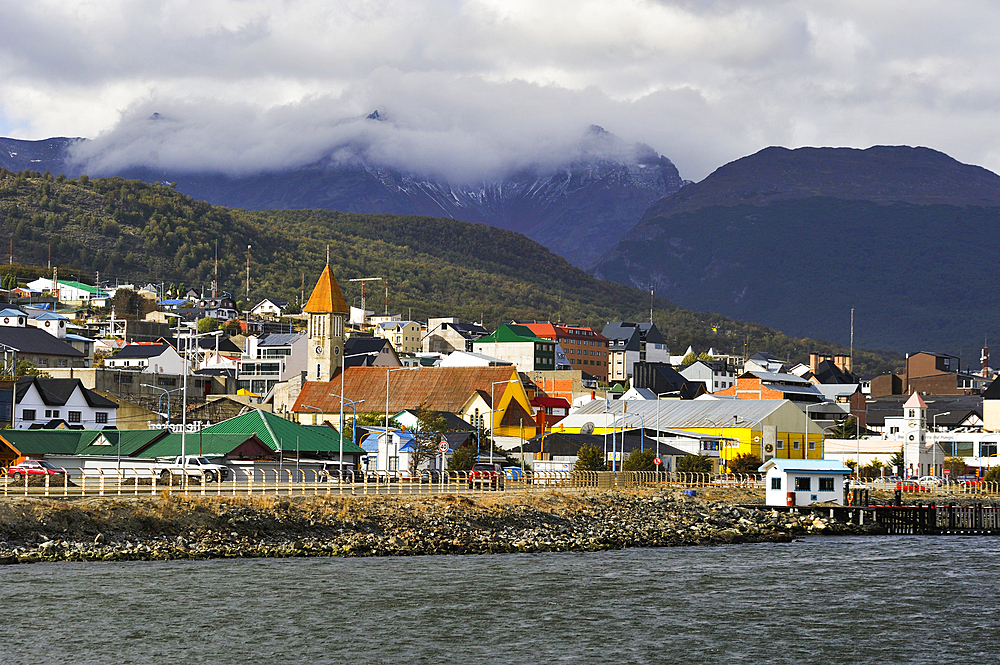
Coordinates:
<point>403,335</point>
<point>766,428</point>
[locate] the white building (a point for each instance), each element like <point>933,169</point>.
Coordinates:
<point>801,482</point>
<point>48,402</point>
<point>147,357</point>
<point>272,358</point>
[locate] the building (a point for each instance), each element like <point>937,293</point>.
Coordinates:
<point>796,482</point>
<point>585,350</point>
<point>757,384</point>
<point>715,374</point>
<point>519,345</point>
<point>370,352</point>
<point>269,359</point>
<point>932,374</point>
<point>326,310</point>
<point>148,357</point>
<point>662,379</point>
<point>35,346</point>
<point>43,403</point>
<point>403,335</point>
<point>71,291</point>
<point>629,343</point>
<point>270,308</point>
<point>447,335</point>
<point>57,325</point>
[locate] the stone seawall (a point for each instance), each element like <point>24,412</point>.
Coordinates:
<point>173,527</point>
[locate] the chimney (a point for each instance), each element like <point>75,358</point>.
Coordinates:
<point>813,362</point>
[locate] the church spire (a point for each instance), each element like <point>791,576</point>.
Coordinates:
<point>326,296</point>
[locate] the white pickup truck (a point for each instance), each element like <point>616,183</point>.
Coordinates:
<point>196,467</point>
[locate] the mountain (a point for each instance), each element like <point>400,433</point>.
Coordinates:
<point>907,237</point>
<point>132,231</point>
<point>576,209</point>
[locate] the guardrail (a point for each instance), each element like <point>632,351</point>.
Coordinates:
<point>292,481</point>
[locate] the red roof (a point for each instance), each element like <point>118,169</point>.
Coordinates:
<point>437,388</point>
<point>554,402</point>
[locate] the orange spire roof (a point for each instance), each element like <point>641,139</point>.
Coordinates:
<point>326,297</point>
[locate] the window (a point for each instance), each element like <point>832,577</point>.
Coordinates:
<point>812,445</point>
<point>28,414</point>
<point>74,416</point>
<point>803,484</point>
<point>826,484</point>
<point>776,483</point>
<point>393,464</point>
<point>795,445</point>
<point>101,417</point>
<point>988,449</point>
<point>780,444</point>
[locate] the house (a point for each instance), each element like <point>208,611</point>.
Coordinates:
<point>758,384</point>
<point>271,308</point>
<point>46,403</point>
<point>661,378</point>
<point>403,335</point>
<point>57,325</point>
<point>519,345</point>
<point>32,344</point>
<point>797,482</point>
<point>370,352</point>
<point>270,359</point>
<point>147,357</point>
<point>448,334</point>
<point>290,438</point>
<point>715,374</point>
<point>763,362</point>
<point>584,349</point>
<point>470,359</point>
<point>549,410</point>
<point>71,291</point>
<point>629,343</point>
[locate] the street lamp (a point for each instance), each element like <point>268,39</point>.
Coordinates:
<point>314,408</point>
<point>354,407</point>
<point>672,392</point>
<point>493,410</point>
<point>187,349</point>
<point>934,445</point>
<point>387,373</point>
<point>165,392</point>
<point>805,433</point>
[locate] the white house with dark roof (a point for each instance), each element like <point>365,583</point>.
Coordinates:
<point>34,345</point>
<point>60,327</point>
<point>147,357</point>
<point>49,403</point>
<point>269,359</point>
<point>270,308</point>
<point>71,291</point>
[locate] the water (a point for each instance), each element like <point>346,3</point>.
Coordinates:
<point>820,600</point>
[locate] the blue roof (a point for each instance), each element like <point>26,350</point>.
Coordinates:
<point>174,301</point>
<point>370,443</point>
<point>10,311</point>
<point>805,466</point>
<point>51,316</point>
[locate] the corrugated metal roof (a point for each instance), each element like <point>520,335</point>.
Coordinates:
<point>437,388</point>
<point>677,414</point>
<point>280,339</point>
<point>131,440</point>
<point>808,389</point>
<point>276,432</point>
<point>48,441</point>
<point>197,443</point>
<point>804,465</point>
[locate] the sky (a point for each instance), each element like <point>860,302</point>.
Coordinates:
<point>473,88</point>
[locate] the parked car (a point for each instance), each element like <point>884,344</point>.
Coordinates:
<point>970,481</point>
<point>486,473</point>
<point>33,467</point>
<point>930,481</point>
<point>430,476</point>
<point>887,480</point>
<point>911,486</point>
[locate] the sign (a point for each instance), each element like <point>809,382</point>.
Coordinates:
<point>657,461</point>
<point>615,456</point>
<point>443,446</point>
<point>947,472</point>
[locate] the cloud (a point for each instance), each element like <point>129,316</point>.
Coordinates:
<point>474,87</point>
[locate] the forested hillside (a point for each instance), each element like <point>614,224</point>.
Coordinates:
<point>131,231</point>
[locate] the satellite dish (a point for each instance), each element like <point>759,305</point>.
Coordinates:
<point>587,428</point>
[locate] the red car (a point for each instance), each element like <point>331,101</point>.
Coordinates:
<point>33,467</point>
<point>911,486</point>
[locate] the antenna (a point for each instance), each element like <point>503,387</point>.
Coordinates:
<point>363,280</point>
<point>852,340</point>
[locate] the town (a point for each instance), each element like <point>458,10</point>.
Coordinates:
<point>340,390</point>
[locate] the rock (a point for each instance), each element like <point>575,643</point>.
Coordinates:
<point>99,539</point>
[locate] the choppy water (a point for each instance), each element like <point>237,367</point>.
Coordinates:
<point>821,600</point>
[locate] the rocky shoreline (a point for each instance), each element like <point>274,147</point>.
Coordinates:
<point>173,527</point>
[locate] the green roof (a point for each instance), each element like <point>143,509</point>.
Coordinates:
<point>131,440</point>
<point>49,441</point>
<point>83,287</point>
<point>511,332</point>
<point>198,443</point>
<point>278,433</point>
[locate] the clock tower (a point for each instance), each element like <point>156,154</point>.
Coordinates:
<point>914,435</point>
<point>327,311</point>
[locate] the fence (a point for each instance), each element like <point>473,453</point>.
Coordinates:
<point>294,481</point>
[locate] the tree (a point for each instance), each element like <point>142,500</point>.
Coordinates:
<point>956,466</point>
<point>207,325</point>
<point>27,368</point>
<point>640,460</point>
<point>461,459</point>
<point>590,458</point>
<point>373,419</point>
<point>233,328</point>
<point>429,432</point>
<point>993,475</point>
<point>746,463</point>
<point>898,461</point>
<point>689,358</point>
<point>845,429</point>
<point>694,464</point>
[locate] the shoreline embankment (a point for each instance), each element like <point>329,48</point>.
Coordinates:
<point>176,527</point>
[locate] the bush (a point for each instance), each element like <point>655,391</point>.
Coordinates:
<point>590,458</point>
<point>640,461</point>
<point>694,464</point>
<point>746,464</point>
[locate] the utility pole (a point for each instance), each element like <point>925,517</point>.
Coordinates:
<point>248,278</point>
<point>363,301</point>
